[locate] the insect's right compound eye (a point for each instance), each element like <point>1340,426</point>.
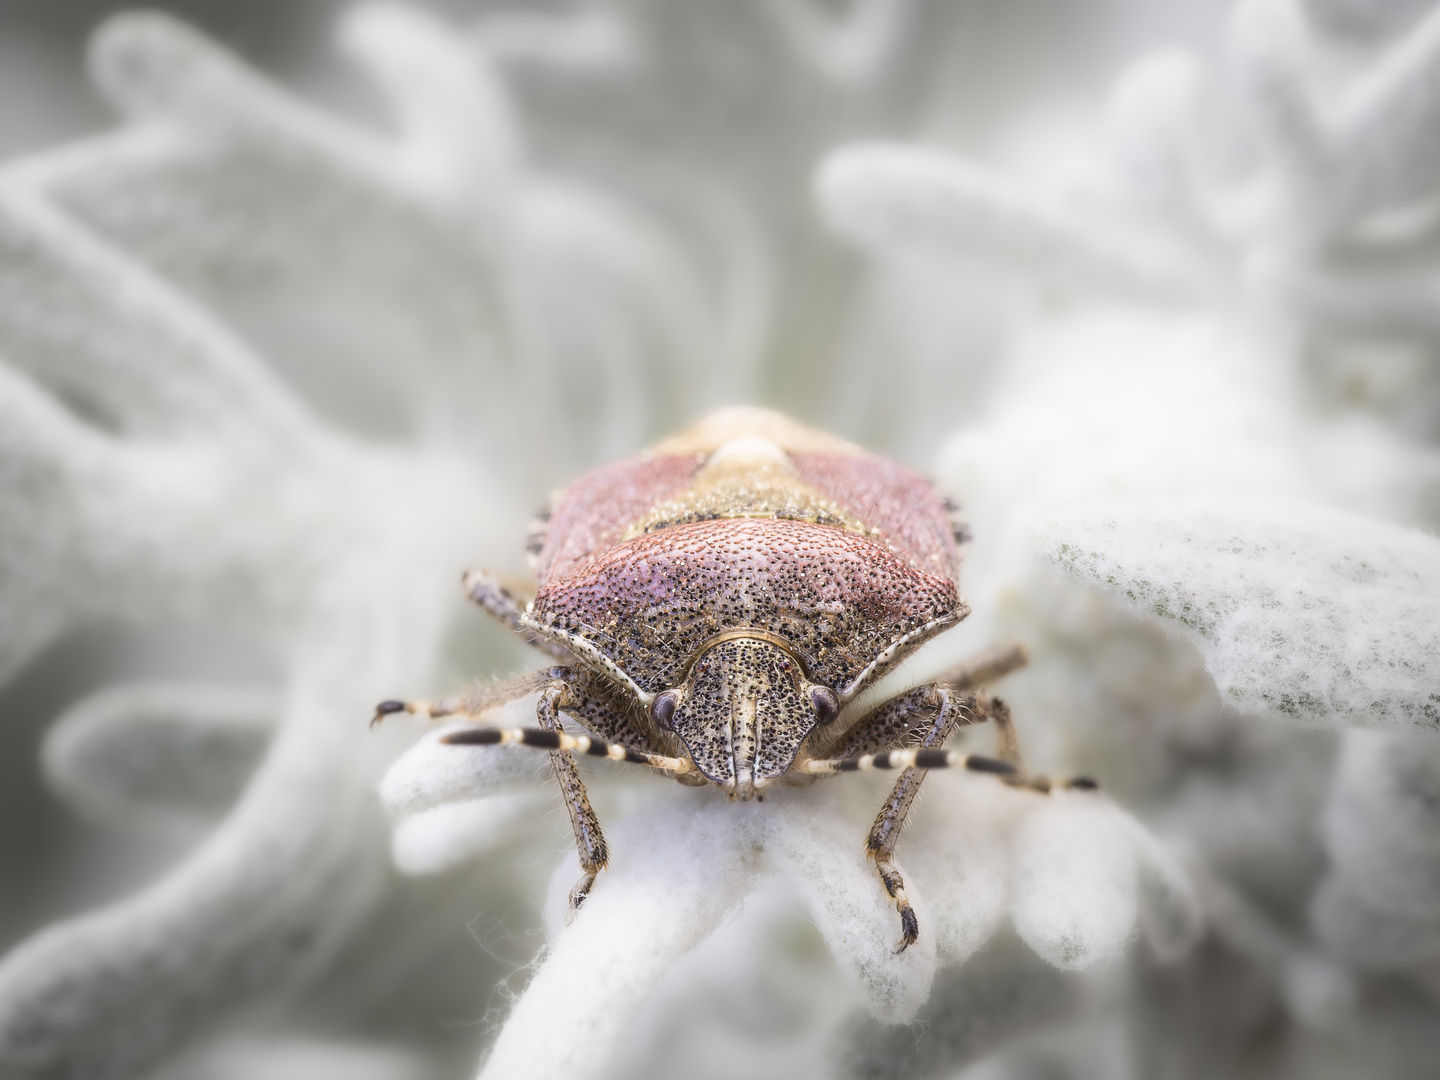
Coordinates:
<point>662,709</point>
<point>827,705</point>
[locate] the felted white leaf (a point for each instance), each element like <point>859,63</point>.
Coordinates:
<point>185,482</point>
<point>431,773</point>
<point>1073,886</point>
<point>975,1009</point>
<point>298,1058</point>
<point>458,130</point>
<point>806,837</point>
<point>1171,916</point>
<point>1302,612</point>
<point>673,877</point>
<point>444,837</point>
<point>956,850</point>
<point>1373,146</point>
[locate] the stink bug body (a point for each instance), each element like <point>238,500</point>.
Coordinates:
<point>716,605</point>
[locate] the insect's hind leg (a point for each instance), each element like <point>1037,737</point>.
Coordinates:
<point>986,668</point>
<point>983,668</point>
<point>486,590</point>
<point>1007,749</point>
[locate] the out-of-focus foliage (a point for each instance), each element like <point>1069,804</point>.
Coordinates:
<point>273,374</point>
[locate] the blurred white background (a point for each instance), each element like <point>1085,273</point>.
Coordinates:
<point>306,307</point>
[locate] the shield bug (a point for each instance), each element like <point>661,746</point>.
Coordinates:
<point>715,607</point>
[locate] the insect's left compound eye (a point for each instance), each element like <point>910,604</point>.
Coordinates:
<point>827,705</point>
<point>662,709</point>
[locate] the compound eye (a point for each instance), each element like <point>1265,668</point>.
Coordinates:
<point>662,709</point>
<point>827,705</point>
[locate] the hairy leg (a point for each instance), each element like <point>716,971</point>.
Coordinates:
<point>976,671</point>
<point>559,688</point>
<point>595,704</point>
<point>625,734</point>
<point>486,590</point>
<point>476,703</point>
<point>589,840</point>
<point>908,732</point>
<point>925,716</point>
<point>901,721</point>
<point>581,694</point>
<point>905,717</point>
<point>949,713</point>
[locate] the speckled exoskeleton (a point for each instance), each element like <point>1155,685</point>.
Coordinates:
<point>716,606</point>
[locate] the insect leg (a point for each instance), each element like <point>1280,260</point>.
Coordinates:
<point>895,721</point>
<point>486,590</point>
<point>933,712</point>
<point>568,690</point>
<point>1007,749</point>
<point>950,714</point>
<point>976,671</point>
<point>476,703</point>
<point>906,716</point>
<point>589,840</point>
<point>986,668</point>
<point>544,739</point>
<point>607,714</point>
<point>902,719</point>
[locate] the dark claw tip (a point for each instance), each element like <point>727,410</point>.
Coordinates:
<point>385,708</point>
<point>909,930</point>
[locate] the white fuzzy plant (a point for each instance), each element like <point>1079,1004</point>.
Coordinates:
<point>1170,431</point>
<point>155,469</point>
<point>1157,431</point>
